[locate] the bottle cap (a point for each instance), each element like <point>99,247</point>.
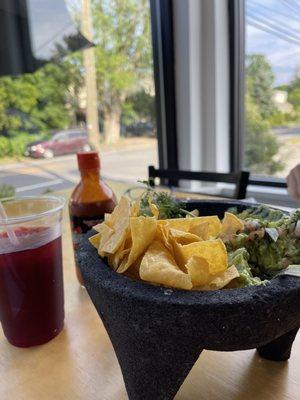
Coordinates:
<point>88,160</point>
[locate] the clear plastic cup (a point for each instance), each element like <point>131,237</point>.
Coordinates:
<point>31,278</point>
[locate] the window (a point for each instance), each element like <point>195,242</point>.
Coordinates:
<point>106,90</point>
<point>272,82</point>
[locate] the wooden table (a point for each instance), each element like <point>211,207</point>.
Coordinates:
<point>80,363</point>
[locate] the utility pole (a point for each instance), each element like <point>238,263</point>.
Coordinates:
<point>92,120</point>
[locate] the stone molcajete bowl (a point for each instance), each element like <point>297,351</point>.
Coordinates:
<point>158,333</point>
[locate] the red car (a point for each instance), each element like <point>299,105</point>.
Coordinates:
<point>63,142</point>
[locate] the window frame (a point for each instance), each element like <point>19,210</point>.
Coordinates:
<point>236,28</point>
<point>165,86</point>
<point>164,80</point>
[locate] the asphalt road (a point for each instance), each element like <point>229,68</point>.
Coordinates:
<point>33,177</point>
<point>287,131</point>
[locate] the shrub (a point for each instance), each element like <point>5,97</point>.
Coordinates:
<point>18,144</point>
<point>4,146</point>
<point>261,146</point>
<point>279,119</point>
<point>15,146</point>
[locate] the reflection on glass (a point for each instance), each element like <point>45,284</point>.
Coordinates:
<point>56,99</point>
<point>35,32</point>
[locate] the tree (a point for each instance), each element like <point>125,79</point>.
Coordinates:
<point>261,146</point>
<point>140,105</point>
<point>39,102</point>
<point>260,79</point>
<point>123,56</point>
<point>294,93</point>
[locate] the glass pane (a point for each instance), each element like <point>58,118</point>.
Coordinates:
<point>35,32</point>
<point>106,90</point>
<point>272,144</point>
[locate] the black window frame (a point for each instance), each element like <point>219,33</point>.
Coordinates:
<point>164,79</point>
<point>236,27</point>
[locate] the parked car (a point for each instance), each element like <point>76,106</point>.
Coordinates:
<point>62,142</point>
<point>140,129</point>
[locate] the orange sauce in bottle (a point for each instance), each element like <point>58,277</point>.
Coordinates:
<point>90,200</point>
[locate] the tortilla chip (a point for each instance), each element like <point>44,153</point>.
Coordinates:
<point>214,251</point>
<point>231,224</point>
<point>201,230</point>
<point>135,208</point>
<point>158,266</point>
<point>199,270</point>
<point>116,259</point>
<point>181,224</point>
<point>211,230</point>
<point>95,240</point>
<point>105,236</point>
<point>98,228</point>
<point>119,222</point>
<point>222,279</point>
<point>143,230</point>
<point>162,235</point>
<point>182,237</point>
<point>121,211</point>
<point>190,224</point>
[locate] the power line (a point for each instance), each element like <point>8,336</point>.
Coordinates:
<point>271,31</point>
<point>276,12</point>
<point>281,29</point>
<point>290,6</point>
<point>295,5</point>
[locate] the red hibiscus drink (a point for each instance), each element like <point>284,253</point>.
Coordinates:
<point>31,278</point>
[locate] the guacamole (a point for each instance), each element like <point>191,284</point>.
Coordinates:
<point>269,243</point>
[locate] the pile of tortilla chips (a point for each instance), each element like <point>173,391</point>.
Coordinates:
<point>182,253</point>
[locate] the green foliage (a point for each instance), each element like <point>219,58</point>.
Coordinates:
<point>4,146</point>
<point>166,204</point>
<point>279,118</point>
<point>260,79</point>
<point>37,102</point>
<point>123,50</point>
<point>294,93</point>
<point>129,114</point>
<point>140,105</point>
<point>15,146</point>
<point>261,146</point>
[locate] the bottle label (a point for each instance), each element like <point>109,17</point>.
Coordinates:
<point>81,225</point>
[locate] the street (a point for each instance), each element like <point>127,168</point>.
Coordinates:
<point>287,131</point>
<point>35,176</point>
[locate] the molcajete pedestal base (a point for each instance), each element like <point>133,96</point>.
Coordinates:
<point>158,333</point>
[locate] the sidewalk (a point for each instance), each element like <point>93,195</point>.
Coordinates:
<point>127,162</point>
<point>124,145</point>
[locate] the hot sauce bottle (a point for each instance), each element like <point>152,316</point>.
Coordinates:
<point>90,200</point>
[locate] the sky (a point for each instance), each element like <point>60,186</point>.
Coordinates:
<point>273,29</point>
